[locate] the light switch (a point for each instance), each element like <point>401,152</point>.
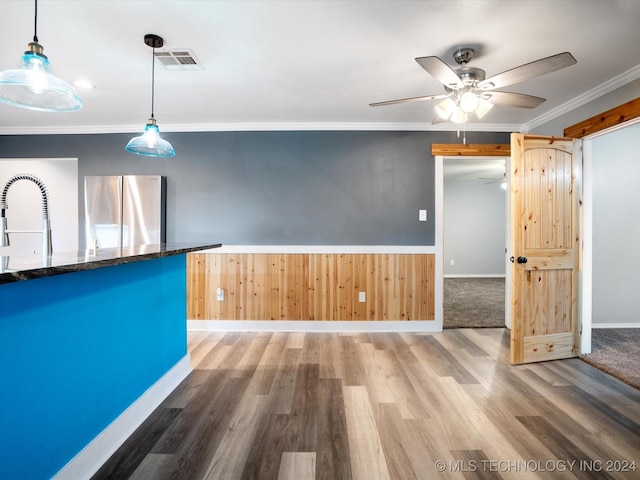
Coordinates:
<point>362,297</point>
<point>220,294</point>
<point>422,215</point>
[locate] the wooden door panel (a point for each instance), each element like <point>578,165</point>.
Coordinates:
<point>545,223</point>
<point>549,198</point>
<point>548,259</point>
<point>540,348</point>
<point>552,316</point>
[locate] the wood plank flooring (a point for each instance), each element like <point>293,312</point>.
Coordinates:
<point>296,406</point>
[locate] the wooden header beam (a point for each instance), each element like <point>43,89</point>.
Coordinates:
<point>472,150</point>
<point>610,118</point>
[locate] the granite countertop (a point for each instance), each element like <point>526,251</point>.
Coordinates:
<point>27,267</point>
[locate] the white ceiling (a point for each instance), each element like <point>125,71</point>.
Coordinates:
<point>308,64</point>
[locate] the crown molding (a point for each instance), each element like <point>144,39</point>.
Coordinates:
<point>607,87</point>
<point>597,92</point>
<point>262,127</point>
<point>337,126</point>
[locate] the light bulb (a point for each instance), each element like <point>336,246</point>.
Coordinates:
<point>468,102</point>
<point>151,134</point>
<point>38,67</point>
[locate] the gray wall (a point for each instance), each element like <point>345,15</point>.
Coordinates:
<point>616,229</point>
<point>278,188</point>
<point>616,170</point>
<point>474,228</point>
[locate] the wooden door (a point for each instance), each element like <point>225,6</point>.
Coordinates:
<point>546,201</point>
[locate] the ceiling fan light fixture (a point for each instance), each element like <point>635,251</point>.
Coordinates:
<point>150,144</point>
<point>469,91</point>
<point>32,86</point>
<point>445,108</point>
<point>483,107</point>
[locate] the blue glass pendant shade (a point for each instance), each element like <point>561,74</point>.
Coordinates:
<point>150,143</point>
<point>33,87</point>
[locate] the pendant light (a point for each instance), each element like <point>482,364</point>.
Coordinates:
<point>33,87</point>
<point>149,143</point>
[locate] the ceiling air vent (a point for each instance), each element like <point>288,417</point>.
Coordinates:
<point>179,59</point>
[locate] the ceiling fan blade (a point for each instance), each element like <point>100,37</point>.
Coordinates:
<point>440,71</point>
<point>509,99</point>
<point>528,70</point>
<point>407,100</point>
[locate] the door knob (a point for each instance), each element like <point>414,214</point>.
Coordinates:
<point>522,259</point>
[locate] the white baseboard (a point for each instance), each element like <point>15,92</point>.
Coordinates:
<point>474,275</point>
<point>615,325</point>
<point>87,462</point>
<point>313,326</point>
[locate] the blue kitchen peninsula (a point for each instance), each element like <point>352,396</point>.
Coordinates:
<point>85,341</point>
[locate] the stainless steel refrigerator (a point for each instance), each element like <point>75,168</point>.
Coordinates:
<point>125,210</point>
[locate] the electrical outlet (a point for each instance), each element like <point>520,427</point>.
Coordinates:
<point>451,262</point>
<point>220,294</point>
<point>422,215</point>
<point>362,297</point>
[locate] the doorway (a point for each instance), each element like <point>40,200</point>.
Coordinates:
<point>489,152</point>
<point>608,158</point>
<point>474,241</point>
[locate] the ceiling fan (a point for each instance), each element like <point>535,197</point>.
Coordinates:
<point>468,91</point>
<point>502,180</point>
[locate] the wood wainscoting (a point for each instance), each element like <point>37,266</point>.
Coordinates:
<point>285,286</point>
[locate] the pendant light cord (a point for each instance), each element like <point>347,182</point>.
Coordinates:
<point>35,23</point>
<point>153,78</point>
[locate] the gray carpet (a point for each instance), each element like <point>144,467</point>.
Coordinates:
<point>616,351</point>
<point>473,302</point>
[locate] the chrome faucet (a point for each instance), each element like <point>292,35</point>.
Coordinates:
<point>46,226</point>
